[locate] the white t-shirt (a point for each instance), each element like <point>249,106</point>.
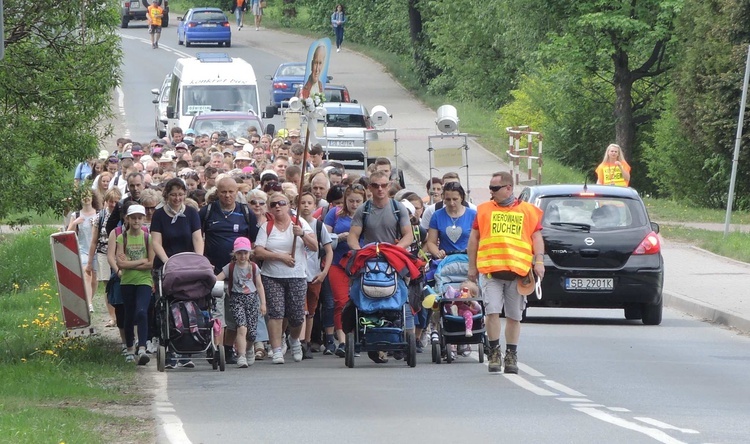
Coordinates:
<point>313,261</point>
<point>281,242</point>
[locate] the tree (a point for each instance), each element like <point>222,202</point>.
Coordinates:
<point>623,44</point>
<point>61,64</point>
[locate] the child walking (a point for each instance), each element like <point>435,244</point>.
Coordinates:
<point>246,298</point>
<point>134,259</point>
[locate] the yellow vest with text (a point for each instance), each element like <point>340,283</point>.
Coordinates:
<point>505,237</point>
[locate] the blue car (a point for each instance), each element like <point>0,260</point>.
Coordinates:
<point>285,82</point>
<point>204,25</point>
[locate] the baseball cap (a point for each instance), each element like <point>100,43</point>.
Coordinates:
<point>268,174</point>
<point>162,142</point>
<point>189,132</point>
<point>242,244</point>
<point>136,209</point>
<point>137,150</point>
<point>126,155</point>
<point>103,154</point>
<point>181,146</point>
<point>294,133</point>
<point>409,206</point>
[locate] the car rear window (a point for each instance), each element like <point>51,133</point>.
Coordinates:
<point>346,120</point>
<point>209,16</point>
<point>333,96</point>
<point>599,212</point>
<point>292,71</point>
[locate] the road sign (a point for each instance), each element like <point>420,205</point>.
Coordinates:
<point>70,283</point>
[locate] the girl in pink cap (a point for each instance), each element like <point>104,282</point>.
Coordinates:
<point>246,297</point>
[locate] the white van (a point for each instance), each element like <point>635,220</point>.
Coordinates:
<point>210,82</point>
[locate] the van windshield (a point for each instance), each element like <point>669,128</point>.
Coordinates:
<point>204,98</point>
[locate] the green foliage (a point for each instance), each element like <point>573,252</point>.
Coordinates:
<point>30,251</point>
<point>54,119</point>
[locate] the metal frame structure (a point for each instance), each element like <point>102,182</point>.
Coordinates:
<point>464,146</point>
<point>516,153</point>
<point>373,135</point>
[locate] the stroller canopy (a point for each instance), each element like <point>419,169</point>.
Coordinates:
<point>188,276</point>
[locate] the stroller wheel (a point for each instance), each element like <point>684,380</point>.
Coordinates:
<point>436,353</point>
<point>349,357</point>
<point>480,350</point>
<point>411,349</point>
<point>222,359</point>
<point>161,358</point>
<point>214,358</point>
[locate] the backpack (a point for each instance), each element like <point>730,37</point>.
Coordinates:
<point>245,212</point>
<point>124,233</point>
<point>231,275</point>
<point>379,279</point>
<point>186,321</point>
<point>368,208</point>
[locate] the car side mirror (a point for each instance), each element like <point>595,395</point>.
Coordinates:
<point>170,112</point>
<point>155,101</point>
<point>270,112</point>
<point>355,101</point>
<point>269,77</point>
<point>655,227</point>
<point>271,129</point>
<point>180,18</point>
<point>155,92</point>
<point>330,78</point>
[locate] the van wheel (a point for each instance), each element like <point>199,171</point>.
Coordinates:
<point>124,22</point>
<point>228,43</point>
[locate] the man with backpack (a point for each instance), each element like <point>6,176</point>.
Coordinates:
<point>382,219</point>
<point>223,221</point>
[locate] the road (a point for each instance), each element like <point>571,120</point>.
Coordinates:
<point>586,376</point>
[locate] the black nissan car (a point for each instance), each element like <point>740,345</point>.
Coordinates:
<point>601,250</point>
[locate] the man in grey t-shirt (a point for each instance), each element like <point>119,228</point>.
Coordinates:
<point>382,226</point>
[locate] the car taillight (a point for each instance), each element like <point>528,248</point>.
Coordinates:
<point>649,245</point>
<point>280,85</point>
<point>345,95</point>
<point>192,24</point>
<point>225,24</point>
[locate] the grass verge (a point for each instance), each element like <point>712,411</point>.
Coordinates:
<point>736,245</point>
<point>54,388</point>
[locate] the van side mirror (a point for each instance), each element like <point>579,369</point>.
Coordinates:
<point>271,129</point>
<point>170,112</point>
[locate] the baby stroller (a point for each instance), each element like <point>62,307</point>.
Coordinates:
<point>451,272</point>
<point>379,295</point>
<point>183,309</point>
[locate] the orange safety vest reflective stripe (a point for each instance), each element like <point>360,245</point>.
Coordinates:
<point>505,237</point>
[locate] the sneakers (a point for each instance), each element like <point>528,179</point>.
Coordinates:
<point>231,356</point>
<point>494,356</point>
<point>296,350</point>
<point>250,357</point>
<point>284,345</point>
<point>378,357</point>
<point>511,362</point>
<point>469,333</point>
<point>188,364</point>
<point>330,349</point>
<point>169,366</point>
<point>419,347</point>
<point>338,49</point>
<point>129,357</point>
<point>341,350</point>
<point>143,357</point>
<point>242,362</point>
<point>307,352</point>
<point>278,357</point>
<point>91,308</point>
<point>150,347</point>
<point>398,355</point>
<point>435,337</point>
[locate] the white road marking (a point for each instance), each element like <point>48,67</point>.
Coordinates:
<point>588,404</point>
<point>524,384</point>
<point>664,425</point>
<point>618,409</point>
<point>170,424</point>
<point>173,430</point>
<point>562,388</point>
<point>574,399</point>
<point>121,108</point>
<point>530,371</point>
<point>648,431</point>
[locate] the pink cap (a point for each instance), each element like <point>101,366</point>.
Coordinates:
<point>242,244</point>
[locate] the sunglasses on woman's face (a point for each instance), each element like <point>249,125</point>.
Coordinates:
<point>278,203</point>
<point>257,202</point>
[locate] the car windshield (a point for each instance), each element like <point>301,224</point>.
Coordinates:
<point>592,212</point>
<point>235,127</point>
<point>346,120</point>
<point>205,98</point>
<point>208,16</point>
<point>292,71</point>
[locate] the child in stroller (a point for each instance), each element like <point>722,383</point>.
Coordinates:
<point>183,309</point>
<point>465,309</point>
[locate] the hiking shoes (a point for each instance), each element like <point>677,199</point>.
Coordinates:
<point>511,362</point>
<point>494,365</point>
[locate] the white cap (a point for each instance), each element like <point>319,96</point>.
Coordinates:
<point>409,206</point>
<point>136,209</point>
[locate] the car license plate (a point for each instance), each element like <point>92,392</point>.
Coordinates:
<point>589,284</point>
<point>209,25</point>
<point>341,143</point>
<point>134,5</point>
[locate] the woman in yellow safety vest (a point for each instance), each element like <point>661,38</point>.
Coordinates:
<point>613,170</point>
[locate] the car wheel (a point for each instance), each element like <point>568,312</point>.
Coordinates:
<point>633,312</point>
<point>652,314</point>
<point>124,22</point>
<point>228,43</point>
<point>187,43</point>
<point>179,41</point>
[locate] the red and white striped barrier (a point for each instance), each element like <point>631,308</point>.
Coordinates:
<point>70,283</point>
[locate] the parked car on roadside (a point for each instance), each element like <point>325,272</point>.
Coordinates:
<point>160,101</point>
<point>236,124</point>
<point>204,25</point>
<point>601,250</point>
<point>285,82</point>
<point>137,9</point>
<point>345,130</point>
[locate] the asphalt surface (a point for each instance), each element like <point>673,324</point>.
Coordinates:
<point>586,375</point>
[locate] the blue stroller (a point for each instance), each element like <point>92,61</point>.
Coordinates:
<point>379,296</point>
<point>451,272</point>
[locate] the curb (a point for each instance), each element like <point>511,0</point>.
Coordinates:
<point>706,312</point>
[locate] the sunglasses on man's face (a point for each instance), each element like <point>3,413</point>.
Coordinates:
<point>379,185</point>
<point>496,188</point>
<point>278,203</point>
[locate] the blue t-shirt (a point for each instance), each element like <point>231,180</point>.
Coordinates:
<point>221,230</point>
<point>449,238</point>
<point>340,224</point>
<point>176,237</point>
